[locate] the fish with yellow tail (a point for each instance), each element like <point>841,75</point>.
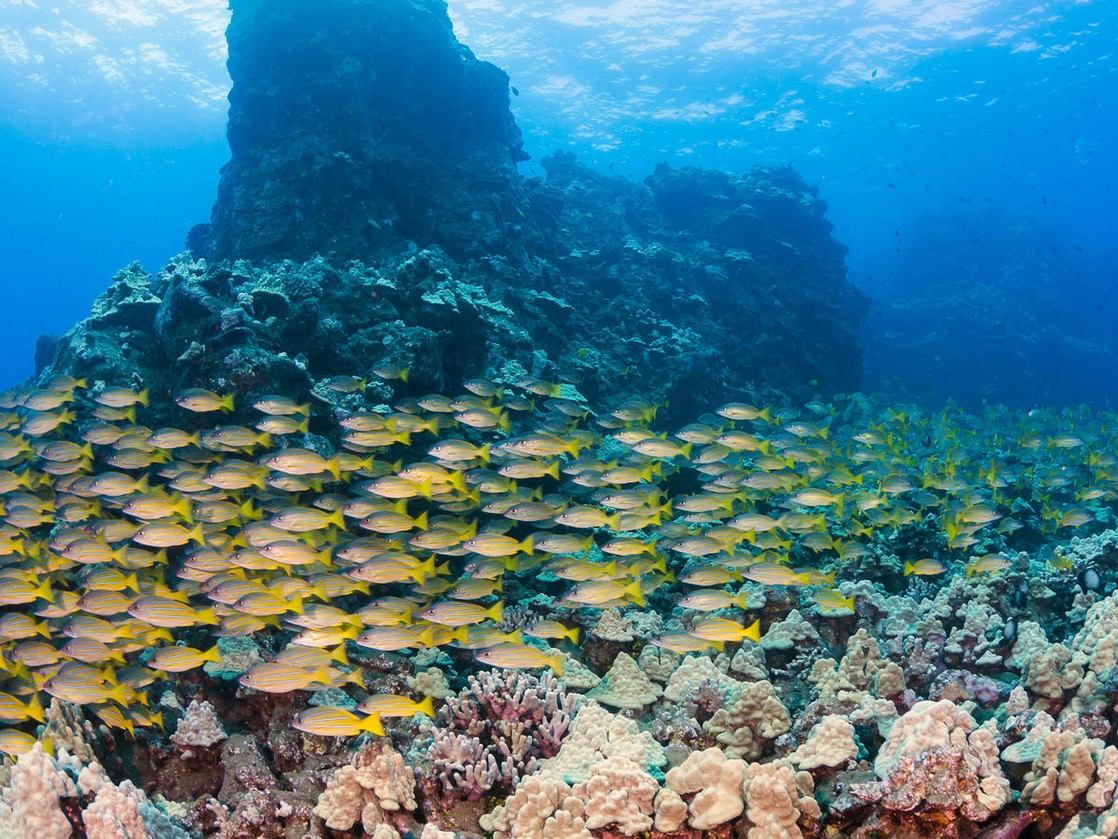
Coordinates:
<point>927,567</point>
<point>392,705</point>
<point>326,721</point>
<point>725,630</point>
<point>202,401</point>
<point>518,656</point>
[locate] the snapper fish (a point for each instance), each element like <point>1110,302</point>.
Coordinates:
<point>514,656</point>
<point>182,659</point>
<point>326,721</point>
<point>456,613</point>
<point>925,567</point>
<point>723,629</point>
<point>202,401</point>
<point>391,705</point>
<point>989,564</point>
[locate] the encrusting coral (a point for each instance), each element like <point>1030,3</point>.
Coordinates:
<point>367,790</point>
<point>625,686</point>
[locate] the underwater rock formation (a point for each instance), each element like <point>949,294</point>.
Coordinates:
<point>360,125</point>
<point>371,214</point>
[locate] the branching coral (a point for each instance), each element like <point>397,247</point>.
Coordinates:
<point>497,729</point>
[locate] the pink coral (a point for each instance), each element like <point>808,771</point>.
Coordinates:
<point>497,729</point>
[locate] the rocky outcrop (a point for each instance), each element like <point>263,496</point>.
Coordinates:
<point>372,214</point>
<point>356,125</point>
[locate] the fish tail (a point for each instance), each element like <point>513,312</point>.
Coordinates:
<point>122,695</point>
<point>635,593</point>
<point>426,706</point>
<point>44,592</point>
<point>372,724</point>
<point>456,480</point>
<point>424,570</point>
<point>461,635</point>
<point>34,708</point>
<point>572,634</point>
<point>497,612</point>
<point>753,632</point>
<point>182,507</point>
<point>555,661</point>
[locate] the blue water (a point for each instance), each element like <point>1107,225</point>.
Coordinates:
<point>911,116</point>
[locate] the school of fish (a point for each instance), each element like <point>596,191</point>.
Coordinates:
<point>118,538</point>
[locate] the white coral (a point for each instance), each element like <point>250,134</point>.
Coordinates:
<point>31,805</point>
<point>199,727</point>
<point>375,781</point>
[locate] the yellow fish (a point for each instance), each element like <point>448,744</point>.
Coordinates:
<point>325,721</point>
<point>203,401</point>
<point>723,629</point>
<point>391,705</point>
<point>520,656</point>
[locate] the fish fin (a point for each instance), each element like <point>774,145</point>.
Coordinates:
<point>753,631</point>
<point>34,708</point>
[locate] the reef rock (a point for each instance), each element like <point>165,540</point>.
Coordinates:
<point>354,125</point>
<point>372,214</point>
